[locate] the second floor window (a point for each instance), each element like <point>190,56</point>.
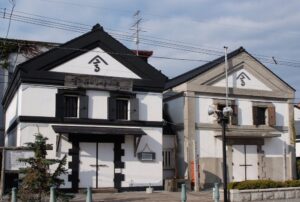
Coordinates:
<point>264,115</point>
<point>261,116</point>
<point>71,106</point>
<point>122,109</point>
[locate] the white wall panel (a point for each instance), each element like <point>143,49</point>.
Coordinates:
<point>98,104</point>
<point>150,106</point>
<point>209,146</point>
<point>201,110</point>
<point>38,100</point>
<point>138,173</point>
<point>82,65</point>
<point>175,109</point>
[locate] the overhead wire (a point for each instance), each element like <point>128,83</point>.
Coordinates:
<point>122,36</point>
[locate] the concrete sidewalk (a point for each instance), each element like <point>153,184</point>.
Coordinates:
<point>203,196</point>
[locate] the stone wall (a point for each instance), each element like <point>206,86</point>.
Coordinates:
<point>274,194</point>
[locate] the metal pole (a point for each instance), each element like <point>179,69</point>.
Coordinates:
<point>216,193</point>
<point>89,195</point>
<point>223,122</point>
<point>196,187</point>
<point>52,194</point>
<point>14,194</point>
<point>183,193</point>
<point>226,74</point>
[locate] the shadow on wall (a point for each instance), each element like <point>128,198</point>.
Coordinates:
<point>210,179</point>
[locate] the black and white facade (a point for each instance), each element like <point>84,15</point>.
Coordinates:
<point>99,104</point>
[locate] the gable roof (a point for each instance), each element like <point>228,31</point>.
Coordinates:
<point>96,37</point>
<point>199,70</point>
<point>36,70</point>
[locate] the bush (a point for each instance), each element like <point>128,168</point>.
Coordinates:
<point>262,184</point>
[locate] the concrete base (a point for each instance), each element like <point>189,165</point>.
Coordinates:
<point>274,194</point>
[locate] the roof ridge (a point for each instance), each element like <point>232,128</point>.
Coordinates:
<point>200,69</point>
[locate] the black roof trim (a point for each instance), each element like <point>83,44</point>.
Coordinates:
<point>96,37</point>
<point>199,70</point>
<point>98,130</point>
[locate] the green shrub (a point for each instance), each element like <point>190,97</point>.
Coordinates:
<point>262,184</point>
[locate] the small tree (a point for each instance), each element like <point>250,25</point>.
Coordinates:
<point>37,177</point>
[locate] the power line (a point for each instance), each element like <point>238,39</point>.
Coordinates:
<point>79,29</point>
<point>179,46</point>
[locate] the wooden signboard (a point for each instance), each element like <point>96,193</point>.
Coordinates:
<point>95,82</point>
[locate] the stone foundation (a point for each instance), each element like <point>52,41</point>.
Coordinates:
<point>274,194</point>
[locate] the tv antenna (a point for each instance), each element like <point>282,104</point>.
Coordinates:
<point>137,29</point>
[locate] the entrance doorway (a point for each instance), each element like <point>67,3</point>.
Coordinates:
<point>244,162</point>
<point>96,169</point>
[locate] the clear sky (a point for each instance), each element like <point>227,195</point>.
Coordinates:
<point>191,29</point>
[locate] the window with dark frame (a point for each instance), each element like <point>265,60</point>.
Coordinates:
<point>261,115</point>
<point>220,107</point>
<point>122,109</point>
<point>71,106</point>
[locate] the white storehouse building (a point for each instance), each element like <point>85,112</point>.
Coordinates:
<point>99,104</point>
<point>260,136</point>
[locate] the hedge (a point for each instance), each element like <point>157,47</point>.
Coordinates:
<point>262,184</point>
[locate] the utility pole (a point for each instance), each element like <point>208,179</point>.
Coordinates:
<point>224,119</point>
<point>137,29</point>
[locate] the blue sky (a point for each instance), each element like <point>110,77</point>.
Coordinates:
<point>269,28</point>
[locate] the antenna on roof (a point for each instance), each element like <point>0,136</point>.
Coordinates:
<point>275,61</point>
<point>137,29</point>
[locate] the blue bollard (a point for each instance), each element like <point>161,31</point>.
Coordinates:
<point>89,195</point>
<point>14,194</point>
<point>52,194</point>
<point>216,193</point>
<point>183,193</point>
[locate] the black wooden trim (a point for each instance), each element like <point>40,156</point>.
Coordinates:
<point>42,119</point>
<point>119,164</point>
<point>74,153</point>
<point>143,188</point>
<point>13,125</point>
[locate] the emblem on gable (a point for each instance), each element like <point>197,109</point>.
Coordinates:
<point>242,76</point>
<point>97,60</point>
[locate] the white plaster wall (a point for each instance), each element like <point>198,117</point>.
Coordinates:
<point>175,109</point>
<point>297,127</point>
<point>38,100</point>
<point>274,147</point>
<point>136,172</point>
<point>27,134</point>
<point>245,114</point>
<point>80,65</point>
<point>282,114</point>
<point>98,104</point>
<point>150,106</point>
<point>251,83</point>
<point>297,149</point>
<point>208,145</point>
<point>201,110</point>
<point>139,173</point>
<point>13,109</point>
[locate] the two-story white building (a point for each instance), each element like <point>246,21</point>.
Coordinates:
<point>99,104</point>
<point>260,139</point>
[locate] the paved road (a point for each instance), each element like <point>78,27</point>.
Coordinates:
<point>203,196</point>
